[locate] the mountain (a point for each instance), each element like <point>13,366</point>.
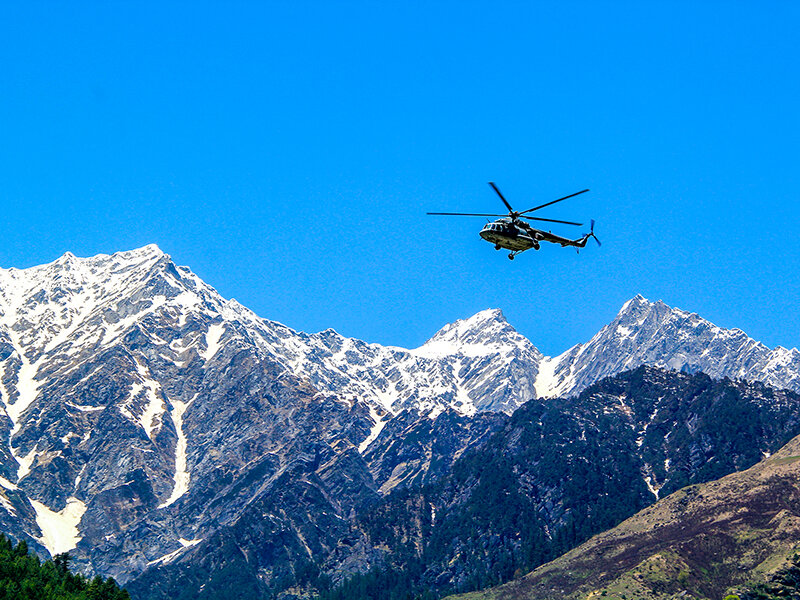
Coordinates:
<point>709,540</point>
<point>652,333</point>
<point>149,419</point>
<point>169,437</point>
<point>564,469</point>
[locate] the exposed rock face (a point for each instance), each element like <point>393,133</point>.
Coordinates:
<point>144,414</point>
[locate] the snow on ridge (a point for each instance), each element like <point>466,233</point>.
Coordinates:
<point>454,368</point>
<point>665,337</point>
<point>58,298</point>
<point>102,280</point>
<point>484,333</point>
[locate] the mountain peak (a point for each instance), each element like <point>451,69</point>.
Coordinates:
<point>637,303</point>
<point>58,298</point>
<point>486,315</point>
<point>150,250</point>
<point>477,323</point>
<point>484,331</point>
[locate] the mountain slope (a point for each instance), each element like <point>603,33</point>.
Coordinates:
<point>703,541</point>
<point>563,469</point>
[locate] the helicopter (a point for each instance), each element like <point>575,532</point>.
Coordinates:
<point>512,233</point>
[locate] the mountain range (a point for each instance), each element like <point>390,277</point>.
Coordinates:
<point>154,426</point>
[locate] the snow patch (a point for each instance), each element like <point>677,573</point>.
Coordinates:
<point>181,473</point>
<point>547,384</point>
<point>84,407</point>
<point>213,336</point>
<point>624,331</point>
<point>155,407</point>
<point>648,480</point>
<point>166,558</point>
<point>374,432</point>
<point>7,505</point>
<point>7,484</point>
<point>171,555</point>
<point>435,412</point>
<point>189,543</point>
<point>59,529</point>
<point>27,386</point>
<point>25,463</point>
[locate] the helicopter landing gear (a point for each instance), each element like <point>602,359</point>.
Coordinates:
<point>497,246</point>
<point>511,256</point>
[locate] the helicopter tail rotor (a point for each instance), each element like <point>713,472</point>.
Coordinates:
<point>591,233</point>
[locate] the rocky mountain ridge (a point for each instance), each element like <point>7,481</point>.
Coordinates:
<point>139,403</point>
<point>652,333</point>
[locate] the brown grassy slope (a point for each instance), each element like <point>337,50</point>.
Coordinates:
<point>700,542</point>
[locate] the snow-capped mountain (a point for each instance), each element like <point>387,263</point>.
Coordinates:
<point>138,399</point>
<point>149,419</point>
<point>476,364</point>
<point>652,333</point>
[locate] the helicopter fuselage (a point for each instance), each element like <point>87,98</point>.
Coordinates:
<point>503,233</point>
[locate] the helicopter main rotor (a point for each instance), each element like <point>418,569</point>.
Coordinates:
<point>513,214</point>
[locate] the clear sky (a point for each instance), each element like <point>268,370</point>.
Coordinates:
<point>288,151</point>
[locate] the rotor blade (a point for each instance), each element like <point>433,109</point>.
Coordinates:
<point>553,202</point>
<point>508,206</point>
<point>465,214</point>
<point>550,220</point>
<point>591,233</point>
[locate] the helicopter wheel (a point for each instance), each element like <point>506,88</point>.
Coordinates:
<point>511,256</point>
<point>497,246</point>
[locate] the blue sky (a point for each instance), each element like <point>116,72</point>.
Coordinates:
<point>288,152</point>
